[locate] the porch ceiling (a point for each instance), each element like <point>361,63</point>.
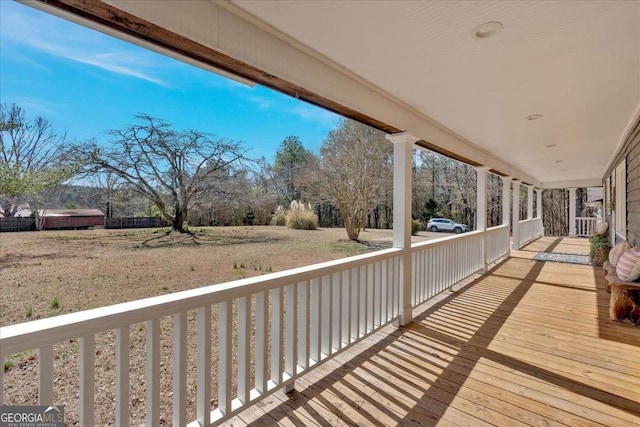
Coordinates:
<point>577,63</point>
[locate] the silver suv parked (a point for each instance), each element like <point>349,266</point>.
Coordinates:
<point>444,224</point>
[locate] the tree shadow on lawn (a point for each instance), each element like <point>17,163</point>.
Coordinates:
<point>171,239</point>
<point>376,246</point>
<point>17,259</point>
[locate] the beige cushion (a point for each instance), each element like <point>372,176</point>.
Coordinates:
<point>635,272</point>
<point>617,251</point>
<point>626,264</point>
<point>603,226</point>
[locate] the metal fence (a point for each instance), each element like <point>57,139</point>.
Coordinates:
<point>29,223</point>
<point>17,224</point>
<point>133,222</point>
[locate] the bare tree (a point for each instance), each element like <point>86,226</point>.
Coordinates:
<point>32,159</point>
<point>175,170</point>
<point>355,162</point>
<point>443,187</point>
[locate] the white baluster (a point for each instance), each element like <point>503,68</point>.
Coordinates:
<point>326,314</point>
<point>377,321</point>
<point>355,303</point>
<point>346,308</point>
<point>370,292</point>
<point>225,331</point>
<point>303,322</point>
<point>316,321</point>
<point>336,312</point>
<point>384,274</point>
<point>276,336</point>
<point>262,366</point>
<point>291,329</point>
<point>414,279</point>
<point>244,348</point>
<point>362,289</point>
<point>203,395</point>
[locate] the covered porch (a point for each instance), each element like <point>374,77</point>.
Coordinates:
<point>380,338</point>
<point>529,343</point>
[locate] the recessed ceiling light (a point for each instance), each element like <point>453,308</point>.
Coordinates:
<point>487,29</point>
<point>534,117</point>
<point>551,145</point>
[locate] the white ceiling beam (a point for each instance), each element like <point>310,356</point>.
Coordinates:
<point>580,183</point>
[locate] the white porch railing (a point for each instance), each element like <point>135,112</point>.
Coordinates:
<point>278,326</point>
<point>497,242</point>
<point>438,264</point>
<point>586,227</point>
<point>538,228</point>
<point>530,229</point>
<point>303,317</point>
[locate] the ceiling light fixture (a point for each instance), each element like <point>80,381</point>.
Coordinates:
<point>534,117</point>
<point>487,29</point>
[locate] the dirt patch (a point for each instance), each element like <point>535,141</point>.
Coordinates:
<point>50,273</point>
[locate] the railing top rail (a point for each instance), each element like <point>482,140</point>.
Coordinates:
<point>53,330</point>
<point>444,240</point>
<point>497,227</point>
<point>529,220</point>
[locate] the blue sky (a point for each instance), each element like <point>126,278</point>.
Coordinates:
<point>87,83</point>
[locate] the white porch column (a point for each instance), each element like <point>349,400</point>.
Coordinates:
<point>506,199</point>
<point>506,207</point>
<point>481,209</point>
<point>529,201</point>
<point>539,210</point>
<point>515,226</point>
<point>402,158</point>
<point>572,212</point>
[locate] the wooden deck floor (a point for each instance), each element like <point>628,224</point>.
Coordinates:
<point>528,344</point>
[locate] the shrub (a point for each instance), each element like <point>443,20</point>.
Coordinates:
<point>279,218</point>
<point>415,227</point>
<point>55,303</point>
<point>302,220</point>
<point>599,250</point>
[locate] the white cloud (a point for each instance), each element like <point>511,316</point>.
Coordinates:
<point>39,105</point>
<point>12,54</point>
<point>61,39</point>
<point>259,101</point>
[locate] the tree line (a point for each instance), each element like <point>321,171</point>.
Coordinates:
<point>192,177</point>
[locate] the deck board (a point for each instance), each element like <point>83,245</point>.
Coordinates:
<point>530,343</point>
